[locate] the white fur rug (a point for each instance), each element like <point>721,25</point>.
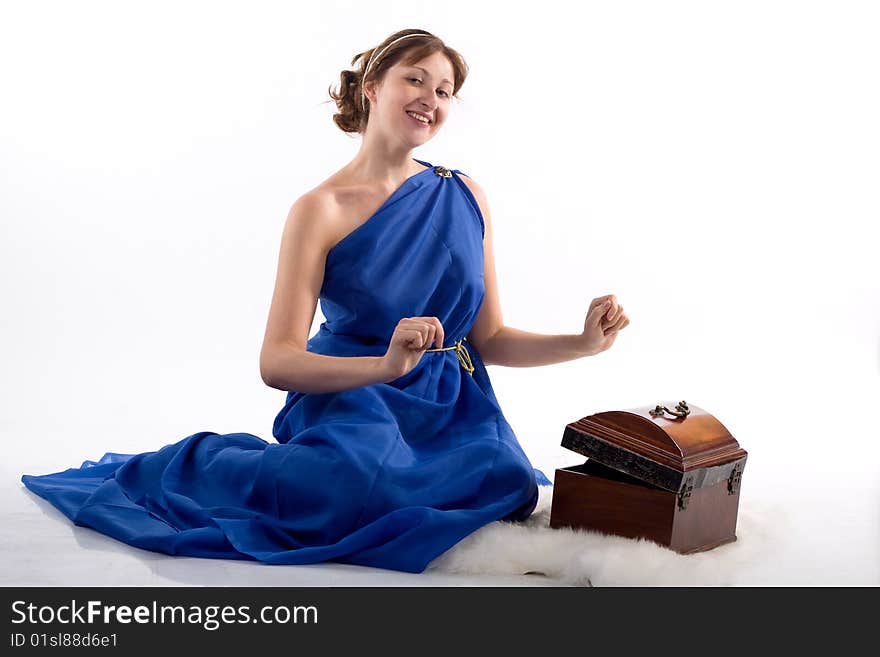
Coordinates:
<point>586,558</point>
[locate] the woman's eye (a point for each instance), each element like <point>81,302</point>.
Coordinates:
<point>442,91</point>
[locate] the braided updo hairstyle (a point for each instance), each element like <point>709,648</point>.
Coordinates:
<point>354,110</point>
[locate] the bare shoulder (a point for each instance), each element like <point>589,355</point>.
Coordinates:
<point>474,186</point>
<point>343,206</point>
<point>313,216</point>
<point>479,195</point>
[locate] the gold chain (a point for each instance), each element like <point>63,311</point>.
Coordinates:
<point>463,356</point>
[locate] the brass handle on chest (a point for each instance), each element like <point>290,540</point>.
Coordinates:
<point>681,410</point>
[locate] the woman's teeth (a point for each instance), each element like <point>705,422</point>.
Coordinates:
<point>419,118</point>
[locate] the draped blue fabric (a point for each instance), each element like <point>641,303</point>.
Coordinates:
<point>388,475</point>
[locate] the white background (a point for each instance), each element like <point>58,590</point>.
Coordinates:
<point>715,165</point>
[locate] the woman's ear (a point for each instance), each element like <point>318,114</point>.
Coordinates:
<point>371,89</point>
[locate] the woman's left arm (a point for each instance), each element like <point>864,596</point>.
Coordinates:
<point>498,344</point>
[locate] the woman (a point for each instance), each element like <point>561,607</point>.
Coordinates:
<point>391,445</point>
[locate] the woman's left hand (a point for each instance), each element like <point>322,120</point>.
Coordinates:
<point>604,321</point>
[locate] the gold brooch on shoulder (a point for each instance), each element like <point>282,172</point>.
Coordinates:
<point>443,171</point>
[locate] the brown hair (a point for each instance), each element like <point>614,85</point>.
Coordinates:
<point>353,110</point>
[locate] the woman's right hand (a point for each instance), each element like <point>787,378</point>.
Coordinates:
<point>411,338</point>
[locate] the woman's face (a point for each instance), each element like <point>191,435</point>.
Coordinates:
<point>423,88</point>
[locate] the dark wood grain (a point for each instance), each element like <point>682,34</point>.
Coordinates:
<point>585,499</point>
<point>593,496</point>
<point>660,450</point>
<point>674,481</point>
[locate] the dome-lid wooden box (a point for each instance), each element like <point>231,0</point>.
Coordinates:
<point>669,473</point>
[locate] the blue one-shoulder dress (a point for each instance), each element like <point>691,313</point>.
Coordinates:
<point>388,475</point>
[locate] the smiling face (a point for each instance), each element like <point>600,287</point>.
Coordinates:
<point>423,88</point>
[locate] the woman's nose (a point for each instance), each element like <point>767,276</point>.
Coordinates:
<point>427,99</point>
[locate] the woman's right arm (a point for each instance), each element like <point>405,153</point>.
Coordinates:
<point>284,362</point>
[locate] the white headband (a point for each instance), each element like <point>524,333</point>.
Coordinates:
<point>374,56</point>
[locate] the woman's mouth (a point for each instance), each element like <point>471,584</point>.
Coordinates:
<point>421,122</point>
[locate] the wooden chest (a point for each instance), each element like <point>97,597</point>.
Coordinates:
<point>668,473</point>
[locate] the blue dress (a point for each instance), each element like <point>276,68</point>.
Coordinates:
<point>388,475</point>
